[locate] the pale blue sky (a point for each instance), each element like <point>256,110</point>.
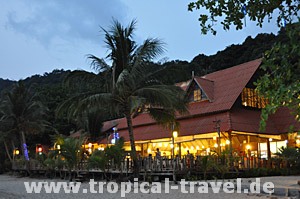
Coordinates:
<point>39,36</point>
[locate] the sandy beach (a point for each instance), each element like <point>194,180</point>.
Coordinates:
<point>12,187</point>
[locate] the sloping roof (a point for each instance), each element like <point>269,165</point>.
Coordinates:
<point>191,126</point>
<point>77,134</point>
<point>224,87</point>
<point>207,86</point>
<point>239,120</point>
<point>110,124</point>
<point>227,86</point>
<point>245,120</point>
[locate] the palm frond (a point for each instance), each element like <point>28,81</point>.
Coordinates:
<point>98,64</point>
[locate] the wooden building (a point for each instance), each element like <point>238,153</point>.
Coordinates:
<point>224,113</point>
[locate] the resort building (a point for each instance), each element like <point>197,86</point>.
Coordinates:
<point>224,113</point>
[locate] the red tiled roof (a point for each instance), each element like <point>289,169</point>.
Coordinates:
<point>110,124</point>
<point>77,134</point>
<point>188,126</point>
<point>207,86</point>
<point>244,120</point>
<point>228,85</point>
<point>283,119</point>
<point>223,89</point>
<point>241,120</point>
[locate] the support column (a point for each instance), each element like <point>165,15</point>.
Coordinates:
<point>248,152</point>
<point>142,150</point>
<point>269,153</point>
<point>230,149</point>
<point>258,152</point>
<point>179,148</point>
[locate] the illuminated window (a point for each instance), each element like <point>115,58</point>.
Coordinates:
<point>197,95</point>
<point>250,98</point>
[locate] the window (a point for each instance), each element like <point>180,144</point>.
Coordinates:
<point>250,98</point>
<point>197,95</point>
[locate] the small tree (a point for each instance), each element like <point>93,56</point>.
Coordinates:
<point>71,150</point>
<point>112,155</point>
<point>291,156</point>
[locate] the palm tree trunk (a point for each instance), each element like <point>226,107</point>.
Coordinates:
<point>25,151</point>
<point>7,152</point>
<point>114,75</point>
<point>132,144</point>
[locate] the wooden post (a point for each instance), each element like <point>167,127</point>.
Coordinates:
<point>230,150</point>
<point>269,153</point>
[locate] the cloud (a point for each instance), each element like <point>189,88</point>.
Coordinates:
<point>48,21</point>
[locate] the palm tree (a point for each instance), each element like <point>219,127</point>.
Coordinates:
<point>136,87</point>
<point>71,150</point>
<point>121,49</point>
<point>24,114</point>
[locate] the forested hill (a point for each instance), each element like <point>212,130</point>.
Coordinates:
<point>250,49</point>
<point>48,79</point>
<point>5,83</point>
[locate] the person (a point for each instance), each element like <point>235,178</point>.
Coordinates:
<point>188,159</point>
<point>158,155</point>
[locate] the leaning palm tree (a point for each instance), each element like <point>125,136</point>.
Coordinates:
<point>23,113</point>
<point>135,87</point>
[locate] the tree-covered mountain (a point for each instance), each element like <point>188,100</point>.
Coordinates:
<point>52,92</point>
<point>5,83</point>
<point>250,49</point>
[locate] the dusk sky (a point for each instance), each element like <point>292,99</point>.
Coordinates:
<point>39,36</point>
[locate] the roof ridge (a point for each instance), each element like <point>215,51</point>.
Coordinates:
<point>231,67</point>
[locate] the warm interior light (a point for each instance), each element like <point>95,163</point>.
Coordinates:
<point>90,145</point>
<point>149,150</point>
<point>248,147</point>
<point>100,149</point>
<point>214,138</point>
<point>227,142</point>
<point>17,152</point>
<point>270,139</point>
<point>175,134</point>
<point>197,147</point>
<point>58,146</point>
<point>216,145</point>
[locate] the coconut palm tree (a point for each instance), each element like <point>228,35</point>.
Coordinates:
<point>122,50</point>
<point>23,113</point>
<point>135,87</point>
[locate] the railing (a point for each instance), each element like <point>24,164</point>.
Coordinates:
<point>161,164</point>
